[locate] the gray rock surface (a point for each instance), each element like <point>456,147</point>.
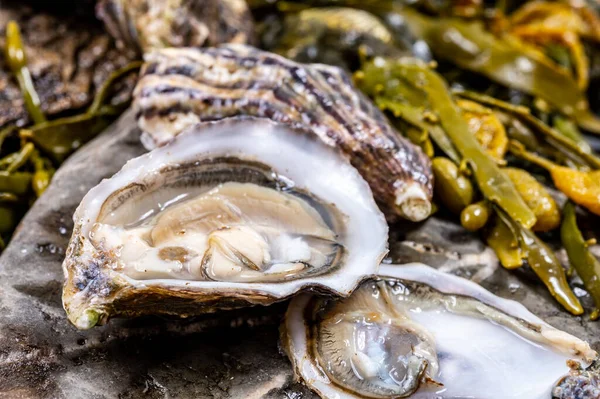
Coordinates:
<point>228,355</point>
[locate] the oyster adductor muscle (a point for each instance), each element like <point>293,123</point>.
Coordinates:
<point>231,213</point>
<point>416,332</point>
<point>180,87</point>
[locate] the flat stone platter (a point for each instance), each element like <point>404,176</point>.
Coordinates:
<point>226,355</point>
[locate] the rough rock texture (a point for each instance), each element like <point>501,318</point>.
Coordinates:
<point>68,54</point>
<point>228,355</point>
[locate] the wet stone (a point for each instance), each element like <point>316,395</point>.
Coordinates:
<point>231,354</point>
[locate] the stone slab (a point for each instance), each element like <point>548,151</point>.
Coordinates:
<point>227,355</point>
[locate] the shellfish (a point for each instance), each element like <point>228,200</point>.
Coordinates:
<point>143,25</point>
<point>180,87</point>
<point>420,333</point>
<point>229,214</point>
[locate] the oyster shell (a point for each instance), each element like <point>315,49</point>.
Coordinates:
<point>330,35</point>
<point>143,25</point>
<point>180,87</point>
<point>422,333</point>
<point>580,383</point>
<point>229,214</point>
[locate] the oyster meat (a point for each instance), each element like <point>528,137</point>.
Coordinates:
<point>180,87</point>
<point>143,25</point>
<point>231,213</point>
<point>418,332</point>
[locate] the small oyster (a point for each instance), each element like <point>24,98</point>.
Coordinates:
<point>229,214</point>
<point>180,87</point>
<point>144,25</point>
<point>422,333</point>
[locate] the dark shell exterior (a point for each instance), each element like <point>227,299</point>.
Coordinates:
<point>180,87</point>
<point>579,383</point>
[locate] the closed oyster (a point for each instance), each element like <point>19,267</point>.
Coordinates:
<point>422,333</point>
<point>229,214</point>
<point>180,87</point>
<point>331,35</point>
<point>143,25</point>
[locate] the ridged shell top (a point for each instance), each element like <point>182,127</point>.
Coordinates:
<point>143,25</point>
<point>182,86</point>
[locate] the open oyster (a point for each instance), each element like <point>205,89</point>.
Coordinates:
<point>422,333</point>
<point>231,213</point>
<point>182,86</point>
